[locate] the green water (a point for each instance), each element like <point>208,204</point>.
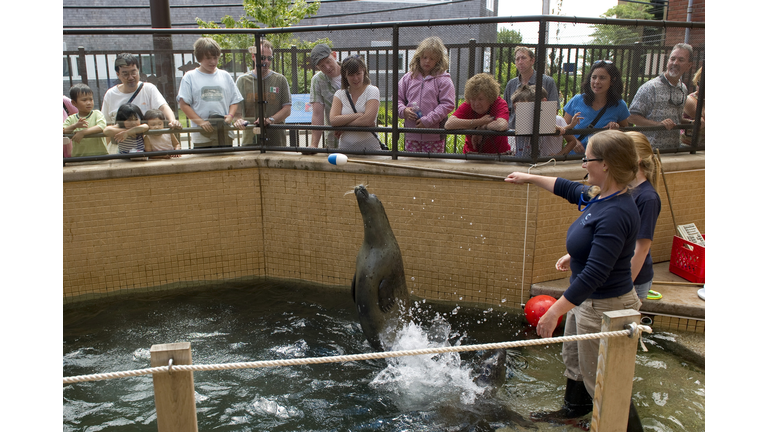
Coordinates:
<point>250,323</point>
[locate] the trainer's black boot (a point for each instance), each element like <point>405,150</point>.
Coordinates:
<point>576,403</point>
<point>633,422</point>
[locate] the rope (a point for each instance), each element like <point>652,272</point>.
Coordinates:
<point>355,357</point>
<point>525,233</point>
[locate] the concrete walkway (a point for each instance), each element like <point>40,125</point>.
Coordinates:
<point>678,301</point>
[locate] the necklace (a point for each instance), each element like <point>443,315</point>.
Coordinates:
<point>592,201</point>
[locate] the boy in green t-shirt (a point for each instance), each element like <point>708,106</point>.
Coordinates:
<point>86,122</point>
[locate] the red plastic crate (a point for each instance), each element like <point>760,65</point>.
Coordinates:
<point>687,260</point>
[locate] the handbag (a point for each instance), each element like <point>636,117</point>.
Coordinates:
<point>381,144</point>
<point>593,122</point>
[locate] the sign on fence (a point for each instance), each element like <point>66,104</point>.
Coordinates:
<point>301,109</point>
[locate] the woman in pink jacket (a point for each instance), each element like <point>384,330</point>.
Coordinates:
<point>426,96</point>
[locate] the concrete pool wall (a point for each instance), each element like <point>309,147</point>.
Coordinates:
<point>166,224</point>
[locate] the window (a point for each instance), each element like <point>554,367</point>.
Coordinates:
<point>147,64</point>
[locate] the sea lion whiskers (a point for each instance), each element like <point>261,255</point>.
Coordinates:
<point>353,190</point>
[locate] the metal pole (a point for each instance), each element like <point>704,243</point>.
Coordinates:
<point>160,13</point>
<point>688,19</point>
<point>541,57</point>
<point>395,76</point>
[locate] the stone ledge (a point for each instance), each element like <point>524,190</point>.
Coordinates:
<point>122,168</point>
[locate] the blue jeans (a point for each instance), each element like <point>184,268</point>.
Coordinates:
<point>642,289</point>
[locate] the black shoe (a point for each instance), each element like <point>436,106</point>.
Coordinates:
<point>633,422</point>
<point>576,403</point>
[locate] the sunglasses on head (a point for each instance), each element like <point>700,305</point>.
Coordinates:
<point>602,61</point>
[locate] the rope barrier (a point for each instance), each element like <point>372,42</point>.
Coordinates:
<point>633,328</point>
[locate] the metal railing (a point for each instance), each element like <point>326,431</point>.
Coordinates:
<point>565,63</point>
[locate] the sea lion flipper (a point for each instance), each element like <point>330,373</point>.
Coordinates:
<point>386,295</point>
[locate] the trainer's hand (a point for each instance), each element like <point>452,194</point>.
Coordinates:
<point>564,263</point>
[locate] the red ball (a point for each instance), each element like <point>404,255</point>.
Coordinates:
<point>537,306</point>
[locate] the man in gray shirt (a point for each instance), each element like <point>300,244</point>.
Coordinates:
<point>324,84</point>
<point>524,61</point>
<point>660,101</point>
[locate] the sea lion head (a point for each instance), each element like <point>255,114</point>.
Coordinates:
<point>371,208</point>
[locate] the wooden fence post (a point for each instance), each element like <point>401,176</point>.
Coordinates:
<point>615,373</point>
<point>175,391</point>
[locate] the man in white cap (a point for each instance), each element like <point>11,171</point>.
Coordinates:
<point>324,84</point>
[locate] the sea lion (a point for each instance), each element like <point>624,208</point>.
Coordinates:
<point>378,287</point>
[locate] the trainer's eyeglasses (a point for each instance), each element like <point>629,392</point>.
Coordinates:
<point>585,160</point>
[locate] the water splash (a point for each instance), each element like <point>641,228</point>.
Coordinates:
<point>420,382</point>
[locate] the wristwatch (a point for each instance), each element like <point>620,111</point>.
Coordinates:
<point>271,120</point>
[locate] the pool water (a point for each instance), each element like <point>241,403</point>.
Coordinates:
<point>251,322</point>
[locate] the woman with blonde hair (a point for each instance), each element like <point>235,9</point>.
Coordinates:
<point>689,113</point>
<point>649,206</point>
<point>426,95</point>
<point>601,243</point>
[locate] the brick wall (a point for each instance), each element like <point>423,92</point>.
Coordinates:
<point>155,225</point>
<point>678,11</point>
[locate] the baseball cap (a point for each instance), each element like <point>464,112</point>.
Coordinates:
<point>319,52</point>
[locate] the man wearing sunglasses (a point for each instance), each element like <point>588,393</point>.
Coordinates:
<point>278,97</point>
<point>660,101</point>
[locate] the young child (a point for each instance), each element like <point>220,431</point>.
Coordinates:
<point>483,109</point>
<point>155,119</point>
<point>550,145</point>
<point>426,96</point>
<point>208,92</point>
<point>128,130</point>
<point>85,122</point>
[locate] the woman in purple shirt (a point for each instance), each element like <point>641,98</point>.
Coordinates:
<point>601,243</point>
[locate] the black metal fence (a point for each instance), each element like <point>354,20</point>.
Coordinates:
<point>388,49</point>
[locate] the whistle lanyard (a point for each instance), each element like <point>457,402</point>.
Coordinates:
<point>592,201</point>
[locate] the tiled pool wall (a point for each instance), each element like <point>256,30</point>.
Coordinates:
<point>171,224</point>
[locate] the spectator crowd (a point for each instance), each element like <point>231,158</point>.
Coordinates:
<point>342,95</point>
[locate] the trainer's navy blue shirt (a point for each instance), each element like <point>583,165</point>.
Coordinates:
<point>649,206</point>
<point>601,243</point>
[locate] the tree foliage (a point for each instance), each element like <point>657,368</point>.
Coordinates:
<point>262,14</point>
<point>606,34</point>
<point>511,38</point>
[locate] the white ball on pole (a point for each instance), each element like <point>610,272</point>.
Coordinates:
<point>337,158</point>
